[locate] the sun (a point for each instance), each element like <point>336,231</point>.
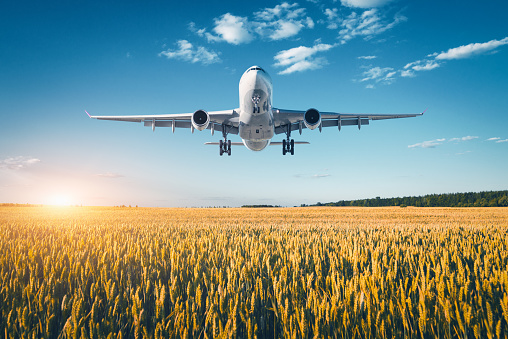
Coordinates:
<point>60,200</point>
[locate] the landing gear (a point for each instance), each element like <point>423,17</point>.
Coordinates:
<point>224,145</point>
<point>256,98</point>
<point>288,145</point>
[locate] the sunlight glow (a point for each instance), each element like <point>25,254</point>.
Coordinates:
<point>59,200</point>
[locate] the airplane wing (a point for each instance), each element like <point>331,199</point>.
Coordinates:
<point>218,119</point>
<point>295,119</point>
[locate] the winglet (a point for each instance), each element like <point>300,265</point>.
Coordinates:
<point>87,114</point>
<point>425,110</point>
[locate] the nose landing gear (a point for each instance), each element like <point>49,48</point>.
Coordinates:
<point>256,98</point>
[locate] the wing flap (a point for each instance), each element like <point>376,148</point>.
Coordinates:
<point>228,118</point>
<point>343,122</point>
<point>284,117</point>
<point>168,123</point>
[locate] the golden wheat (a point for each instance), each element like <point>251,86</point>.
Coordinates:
<point>283,272</point>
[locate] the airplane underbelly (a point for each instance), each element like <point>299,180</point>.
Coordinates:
<point>256,145</point>
<point>255,132</point>
<point>256,127</point>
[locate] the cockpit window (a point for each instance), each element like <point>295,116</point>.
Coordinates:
<point>256,68</point>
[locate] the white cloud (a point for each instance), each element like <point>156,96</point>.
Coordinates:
<point>331,14</point>
<point>280,22</point>
<point>437,142</point>
<point>428,144</point>
<point>309,22</point>
<point>187,52</point>
<point>435,60</point>
<point>318,176</point>
<point>366,25</point>
<point>378,74</point>
<point>305,65</point>
<point>285,29</point>
<point>283,10</point>
<point>498,140</point>
<point>417,66</point>
<point>367,57</point>
<point>364,3</point>
<point>469,137</point>
<point>17,163</point>
<point>408,71</point>
<point>232,29</point>
<point>332,17</point>
<point>192,27</point>
<point>427,66</point>
<point>407,74</point>
<point>467,51</point>
<point>301,58</point>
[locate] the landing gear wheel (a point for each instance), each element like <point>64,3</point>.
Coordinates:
<point>288,145</point>
<point>225,145</point>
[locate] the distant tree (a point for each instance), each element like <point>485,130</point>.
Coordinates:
<point>503,201</point>
<point>470,199</point>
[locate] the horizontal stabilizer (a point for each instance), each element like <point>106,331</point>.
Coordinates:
<point>278,143</point>
<point>232,144</point>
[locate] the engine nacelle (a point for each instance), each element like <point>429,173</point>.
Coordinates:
<point>312,118</point>
<point>200,119</point>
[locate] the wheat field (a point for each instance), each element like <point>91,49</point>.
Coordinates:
<point>97,272</point>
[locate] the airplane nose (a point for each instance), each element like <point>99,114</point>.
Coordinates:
<point>253,77</point>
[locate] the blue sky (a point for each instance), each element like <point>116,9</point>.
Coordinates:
<point>59,59</point>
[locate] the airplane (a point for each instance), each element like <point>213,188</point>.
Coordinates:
<point>256,121</point>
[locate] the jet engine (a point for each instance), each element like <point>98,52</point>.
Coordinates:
<point>200,120</point>
<point>312,118</point>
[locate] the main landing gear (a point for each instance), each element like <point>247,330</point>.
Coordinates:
<point>225,145</point>
<point>288,145</point>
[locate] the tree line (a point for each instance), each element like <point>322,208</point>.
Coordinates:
<point>470,199</point>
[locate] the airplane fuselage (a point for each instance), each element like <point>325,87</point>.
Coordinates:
<point>256,123</point>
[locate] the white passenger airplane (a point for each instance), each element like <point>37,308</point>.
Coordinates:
<point>256,121</point>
